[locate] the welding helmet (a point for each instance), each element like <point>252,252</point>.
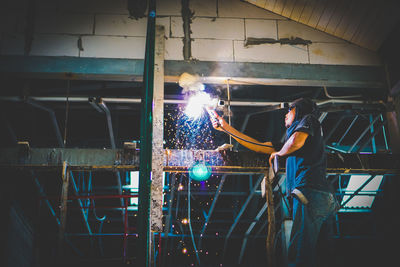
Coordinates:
<point>304,106</point>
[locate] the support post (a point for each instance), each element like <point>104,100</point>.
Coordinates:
<point>63,210</point>
<point>158,134</point>
<point>143,251</point>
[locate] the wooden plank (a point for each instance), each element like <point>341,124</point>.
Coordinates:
<point>337,16</point>
<point>357,19</point>
<point>348,17</point>
<point>288,8</point>
<point>279,6</point>
<point>326,15</point>
<point>298,9</point>
<point>269,5</point>
<point>317,13</point>
<point>307,12</point>
<point>260,3</point>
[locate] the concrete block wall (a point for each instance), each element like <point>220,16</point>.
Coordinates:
<point>220,28</point>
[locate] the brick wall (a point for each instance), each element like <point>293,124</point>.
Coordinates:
<point>219,28</point>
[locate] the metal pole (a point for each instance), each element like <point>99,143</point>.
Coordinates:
<point>373,144</point>
<point>348,129</point>
<point>384,134</point>
<point>146,123</point>
<point>53,120</point>
<point>362,134</point>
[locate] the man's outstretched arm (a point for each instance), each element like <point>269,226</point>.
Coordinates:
<point>261,147</point>
<point>294,143</point>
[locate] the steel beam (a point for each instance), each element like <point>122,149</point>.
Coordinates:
<point>243,162</point>
<point>210,71</point>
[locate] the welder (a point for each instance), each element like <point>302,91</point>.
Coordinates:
<point>312,199</point>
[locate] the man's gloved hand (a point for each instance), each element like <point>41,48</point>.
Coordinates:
<point>217,121</point>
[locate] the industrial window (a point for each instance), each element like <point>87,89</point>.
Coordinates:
<point>362,202</point>
<point>134,189</point>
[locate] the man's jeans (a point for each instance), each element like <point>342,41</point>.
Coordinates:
<point>307,221</point>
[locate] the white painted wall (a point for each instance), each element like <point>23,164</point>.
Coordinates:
<point>219,31</point>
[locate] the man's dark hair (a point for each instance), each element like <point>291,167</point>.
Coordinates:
<point>304,106</point>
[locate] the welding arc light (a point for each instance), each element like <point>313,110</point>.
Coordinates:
<point>196,103</point>
<point>200,171</point>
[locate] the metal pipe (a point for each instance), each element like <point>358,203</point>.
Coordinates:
<point>176,101</point>
<point>53,120</point>
<point>257,184</point>
<point>384,134</point>
<point>373,144</point>
<point>362,134</point>
<point>338,97</point>
<point>104,107</point>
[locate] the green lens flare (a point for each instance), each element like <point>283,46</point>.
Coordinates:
<point>200,172</point>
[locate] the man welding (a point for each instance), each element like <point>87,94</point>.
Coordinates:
<point>306,184</point>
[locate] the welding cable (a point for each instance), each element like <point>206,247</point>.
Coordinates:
<point>190,225</point>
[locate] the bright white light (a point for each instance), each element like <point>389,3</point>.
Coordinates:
<point>134,187</point>
<point>361,201</point>
<point>196,103</point>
